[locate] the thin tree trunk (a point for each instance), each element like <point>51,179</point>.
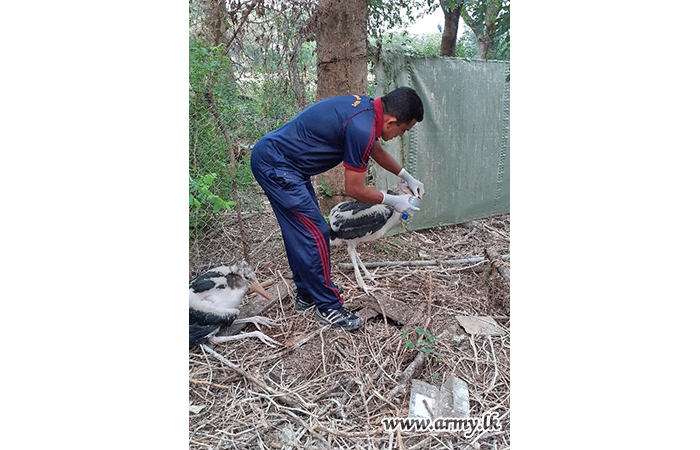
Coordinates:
<point>450,31</point>
<point>294,74</point>
<point>484,46</point>
<point>486,41</point>
<point>232,158</point>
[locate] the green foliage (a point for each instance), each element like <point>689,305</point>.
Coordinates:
<point>208,66</point>
<point>203,199</point>
<point>467,46</point>
<point>423,344</point>
<point>501,48</point>
<point>250,103</point>
<point>248,189</point>
<point>200,192</point>
<point>424,45</point>
<point>275,103</point>
<point>428,45</point>
<point>323,187</point>
<point>477,13</point>
<point>388,14</point>
<point>245,180</point>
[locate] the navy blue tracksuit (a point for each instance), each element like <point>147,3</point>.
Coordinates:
<point>334,130</point>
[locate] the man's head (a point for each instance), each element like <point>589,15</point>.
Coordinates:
<point>403,108</point>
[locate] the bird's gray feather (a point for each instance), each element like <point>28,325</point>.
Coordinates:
<point>352,220</point>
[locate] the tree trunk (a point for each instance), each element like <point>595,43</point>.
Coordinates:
<point>214,12</point>
<point>485,45</point>
<point>483,24</point>
<point>449,32</point>
<point>341,49</point>
<point>486,41</point>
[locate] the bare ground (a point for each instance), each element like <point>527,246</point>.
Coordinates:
<point>331,390</point>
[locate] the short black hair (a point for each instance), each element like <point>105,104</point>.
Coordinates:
<point>404,104</point>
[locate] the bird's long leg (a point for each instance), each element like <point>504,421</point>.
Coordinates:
<point>353,256</point>
<point>369,275</point>
<point>256,320</point>
<point>267,340</point>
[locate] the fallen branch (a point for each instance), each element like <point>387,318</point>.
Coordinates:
<point>417,263</point>
<point>411,372</point>
<point>497,264</point>
<point>209,383</point>
<point>430,302</point>
<point>414,369</point>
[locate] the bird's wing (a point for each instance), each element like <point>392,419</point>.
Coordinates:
<point>352,207</point>
<point>200,333</point>
<point>352,220</point>
<point>203,324</point>
<point>208,280</point>
<point>210,318</point>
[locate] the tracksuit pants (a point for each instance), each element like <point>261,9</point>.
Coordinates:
<point>304,230</point>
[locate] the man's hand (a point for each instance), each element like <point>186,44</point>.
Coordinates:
<point>414,185</point>
<point>400,202</point>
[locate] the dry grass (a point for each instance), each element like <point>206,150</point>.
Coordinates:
<point>331,392</point>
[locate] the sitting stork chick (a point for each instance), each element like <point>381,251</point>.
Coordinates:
<point>353,222</point>
<point>215,297</point>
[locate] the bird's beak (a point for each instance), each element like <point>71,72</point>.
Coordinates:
<point>255,286</point>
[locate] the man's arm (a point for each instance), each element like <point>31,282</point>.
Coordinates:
<point>355,185</point>
<point>356,188</point>
<point>384,159</point>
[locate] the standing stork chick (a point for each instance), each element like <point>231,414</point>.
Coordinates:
<point>353,222</point>
<point>215,297</point>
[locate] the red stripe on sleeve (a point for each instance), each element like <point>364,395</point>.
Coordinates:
<point>353,168</point>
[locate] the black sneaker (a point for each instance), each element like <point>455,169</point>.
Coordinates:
<point>302,304</point>
<point>339,318</point>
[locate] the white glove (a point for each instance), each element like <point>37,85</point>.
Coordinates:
<point>414,185</point>
<point>399,202</point>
